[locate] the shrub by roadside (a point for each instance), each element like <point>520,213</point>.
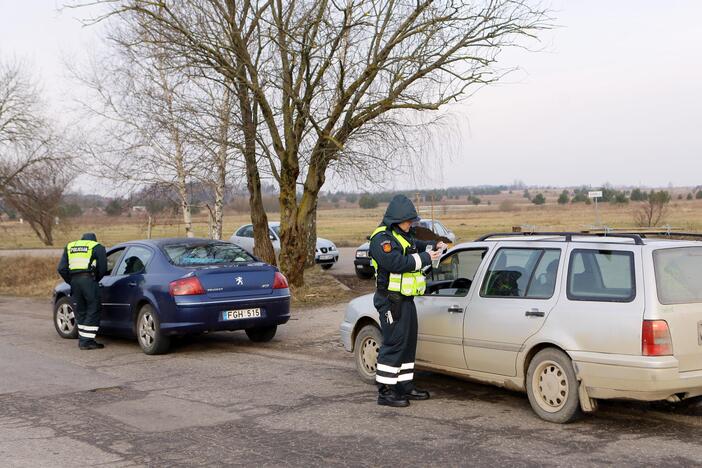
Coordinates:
<point>30,276</point>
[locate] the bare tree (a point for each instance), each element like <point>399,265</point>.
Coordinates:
<point>321,73</point>
<point>36,192</point>
<point>20,122</point>
<point>653,210</point>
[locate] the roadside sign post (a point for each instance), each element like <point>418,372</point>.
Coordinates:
<point>595,196</point>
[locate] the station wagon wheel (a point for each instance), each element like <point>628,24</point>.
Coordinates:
<point>148,331</point>
<point>552,386</point>
<point>366,347</point>
<point>64,319</point>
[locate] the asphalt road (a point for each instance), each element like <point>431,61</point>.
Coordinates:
<point>296,401</point>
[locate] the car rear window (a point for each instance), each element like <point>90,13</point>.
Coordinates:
<point>211,253</point>
<point>601,275</point>
<point>678,275</point>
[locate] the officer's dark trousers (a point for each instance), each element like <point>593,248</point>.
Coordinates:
<point>86,294</point>
<point>398,323</point>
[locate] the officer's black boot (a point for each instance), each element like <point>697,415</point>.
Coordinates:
<point>92,344</point>
<point>416,394</point>
<point>411,392</point>
<point>388,396</point>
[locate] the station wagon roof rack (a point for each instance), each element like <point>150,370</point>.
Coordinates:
<point>643,233</point>
<point>637,238</point>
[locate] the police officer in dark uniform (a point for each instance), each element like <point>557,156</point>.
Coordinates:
<point>83,265</point>
<point>398,259</point>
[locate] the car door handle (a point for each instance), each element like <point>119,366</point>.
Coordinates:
<point>454,309</point>
<point>132,283</point>
<point>534,313</point>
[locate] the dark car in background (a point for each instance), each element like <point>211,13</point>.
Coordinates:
<point>362,262</point>
<point>157,289</point>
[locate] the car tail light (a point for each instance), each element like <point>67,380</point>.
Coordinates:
<point>655,338</point>
<point>280,281</point>
<point>190,286</point>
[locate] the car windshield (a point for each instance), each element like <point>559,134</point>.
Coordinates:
<point>276,229</point>
<point>205,254</point>
<point>678,273</point>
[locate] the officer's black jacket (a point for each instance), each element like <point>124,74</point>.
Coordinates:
<point>400,209</point>
<point>99,255</point>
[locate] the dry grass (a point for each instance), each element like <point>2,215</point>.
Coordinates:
<point>29,276</point>
<point>35,276</point>
<point>350,226</point>
<point>320,289</point>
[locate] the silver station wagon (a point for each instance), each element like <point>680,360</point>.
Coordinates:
<point>567,317</point>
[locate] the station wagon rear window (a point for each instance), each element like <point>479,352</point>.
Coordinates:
<point>206,254</point>
<point>678,275</point>
<point>601,275</point>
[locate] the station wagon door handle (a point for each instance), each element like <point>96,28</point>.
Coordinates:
<point>454,309</point>
<point>534,313</point>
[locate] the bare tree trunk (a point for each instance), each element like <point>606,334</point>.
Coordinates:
<point>263,247</point>
<point>298,223</point>
<point>179,159</point>
<point>221,162</point>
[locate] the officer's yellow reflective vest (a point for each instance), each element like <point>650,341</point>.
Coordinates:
<point>79,255</point>
<point>407,284</point>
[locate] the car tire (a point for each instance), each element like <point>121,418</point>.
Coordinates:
<point>363,275</point>
<point>148,330</point>
<point>261,334</point>
<point>365,351</point>
<point>326,266</point>
<point>552,387</point>
<point>64,319</point>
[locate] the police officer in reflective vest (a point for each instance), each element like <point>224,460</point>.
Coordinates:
<point>83,265</point>
<point>398,260</point>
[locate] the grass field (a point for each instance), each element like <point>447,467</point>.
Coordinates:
<point>350,226</point>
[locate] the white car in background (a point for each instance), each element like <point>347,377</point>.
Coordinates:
<point>326,253</point>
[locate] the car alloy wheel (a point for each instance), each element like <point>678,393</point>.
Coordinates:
<point>147,330</point>
<point>65,319</point>
<point>550,386</point>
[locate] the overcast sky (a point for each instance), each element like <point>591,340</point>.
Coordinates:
<point>615,96</point>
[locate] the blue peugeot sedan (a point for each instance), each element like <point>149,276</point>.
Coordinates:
<point>155,289</point>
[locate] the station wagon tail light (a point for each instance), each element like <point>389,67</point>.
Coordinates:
<point>655,339</point>
<point>280,281</point>
<point>190,286</point>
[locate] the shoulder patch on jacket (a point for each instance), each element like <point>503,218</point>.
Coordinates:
<point>387,246</point>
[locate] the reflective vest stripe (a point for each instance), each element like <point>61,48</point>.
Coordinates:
<point>79,255</point>
<point>407,284</point>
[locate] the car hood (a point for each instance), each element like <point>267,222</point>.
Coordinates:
<point>322,242</point>
<point>364,246</point>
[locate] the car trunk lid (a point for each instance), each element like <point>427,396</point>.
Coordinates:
<point>253,279</point>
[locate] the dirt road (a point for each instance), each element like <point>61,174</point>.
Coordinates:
<point>222,400</point>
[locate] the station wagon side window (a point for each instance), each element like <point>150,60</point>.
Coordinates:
<point>522,273</point>
<point>457,271</point>
<point>601,275</point>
